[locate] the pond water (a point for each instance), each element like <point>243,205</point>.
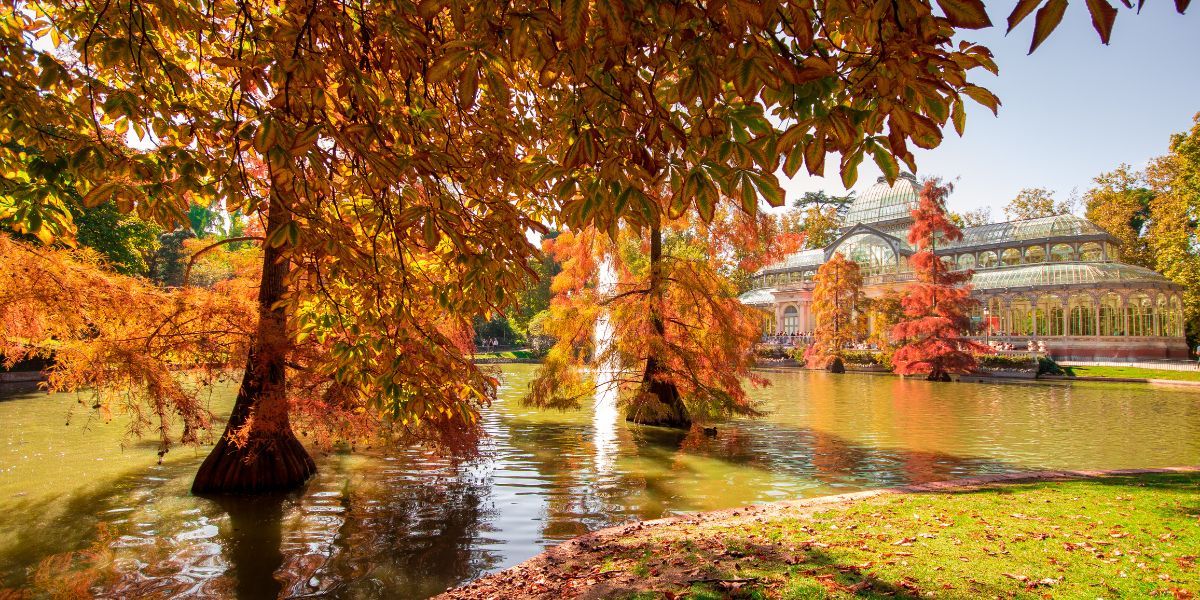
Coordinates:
<point>407,525</point>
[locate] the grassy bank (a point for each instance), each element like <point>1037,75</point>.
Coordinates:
<point>1132,372</point>
<point>1122,536</point>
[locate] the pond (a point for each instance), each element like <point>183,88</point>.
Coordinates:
<point>407,525</point>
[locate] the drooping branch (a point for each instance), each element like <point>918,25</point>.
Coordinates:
<point>187,273</point>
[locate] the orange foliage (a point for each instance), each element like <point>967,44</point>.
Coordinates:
<point>142,350</point>
<point>936,304</point>
<point>707,334</point>
<point>836,298</point>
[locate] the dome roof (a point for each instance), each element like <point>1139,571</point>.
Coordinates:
<point>1064,226</point>
<point>882,202</point>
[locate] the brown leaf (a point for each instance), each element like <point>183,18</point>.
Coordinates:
<point>1047,19</point>
<point>968,14</point>
<point>1022,10</point>
<point>1103,16</point>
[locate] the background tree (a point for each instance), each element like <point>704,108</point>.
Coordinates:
<point>1034,203</point>
<point>817,226</point>
<point>972,218</point>
<point>938,301</point>
<point>1120,203</point>
<point>127,243</point>
<point>837,298</point>
<point>1174,232</point>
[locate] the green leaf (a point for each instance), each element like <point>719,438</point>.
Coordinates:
<point>769,188</point>
<point>967,14</point>
<point>887,163</point>
<point>1047,19</point>
<point>850,164</point>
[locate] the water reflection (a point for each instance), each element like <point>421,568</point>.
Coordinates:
<point>405,524</point>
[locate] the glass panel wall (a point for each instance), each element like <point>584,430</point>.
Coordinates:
<point>1083,315</point>
<point>1112,315</point>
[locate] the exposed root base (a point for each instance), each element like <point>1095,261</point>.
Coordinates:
<point>278,464</point>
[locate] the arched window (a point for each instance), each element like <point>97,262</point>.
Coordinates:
<point>807,276</point>
<point>1091,251</point>
<point>1062,253</point>
<point>1140,312</point>
<point>1020,316</point>
<point>1049,316</point>
<point>996,315</point>
<point>987,260</point>
<point>1083,315</point>
<point>791,320</point>
<point>873,254</point>
<point>1112,315</point>
<point>1035,254</point>
<point>1010,257</point>
<point>966,261</point>
<point>1176,319</point>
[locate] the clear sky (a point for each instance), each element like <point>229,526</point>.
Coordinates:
<point>1072,110</point>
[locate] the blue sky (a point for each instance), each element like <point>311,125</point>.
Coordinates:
<point>1072,110</point>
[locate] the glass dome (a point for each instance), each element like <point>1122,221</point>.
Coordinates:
<point>883,202</point>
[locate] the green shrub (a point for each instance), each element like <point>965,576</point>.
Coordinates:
<point>770,352</point>
<point>862,357</point>
<point>1002,361</point>
<point>1047,366</point>
<point>796,353</point>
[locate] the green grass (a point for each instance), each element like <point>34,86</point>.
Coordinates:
<point>1132,372</point>
<point>505,354</point>
<point>1133,537</point>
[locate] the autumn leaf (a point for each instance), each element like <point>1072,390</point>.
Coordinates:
<point>968,14</point>
<point>1103,17</point>
<point>1048,18</point>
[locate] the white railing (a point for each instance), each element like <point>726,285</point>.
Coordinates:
<point>1166,365</point>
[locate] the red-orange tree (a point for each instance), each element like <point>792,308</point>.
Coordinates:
<point>836,299</point>
<point>937,303</point>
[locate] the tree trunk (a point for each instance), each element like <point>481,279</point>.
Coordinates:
<point>258,452</point>
<point>660,403</point>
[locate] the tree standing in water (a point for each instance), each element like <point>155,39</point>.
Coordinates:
<point>937,303</point>
<point>680,339</point>
<point>836,299</point>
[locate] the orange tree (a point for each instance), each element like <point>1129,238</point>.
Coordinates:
<point>679,341</point>
<point>936,304</point>
<point>836,300</point>
<point>397,153</point>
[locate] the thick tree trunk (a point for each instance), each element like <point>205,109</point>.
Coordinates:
<point>258,452</point>
<point>665,407</point>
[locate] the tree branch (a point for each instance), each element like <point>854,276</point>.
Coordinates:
<point>187,273</point>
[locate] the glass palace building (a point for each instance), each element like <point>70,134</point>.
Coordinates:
<point>1057,280</point>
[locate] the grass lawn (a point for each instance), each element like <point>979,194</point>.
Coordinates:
<point>1122,536</point>
<point>505,354</point>
<point>1134,372</point>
